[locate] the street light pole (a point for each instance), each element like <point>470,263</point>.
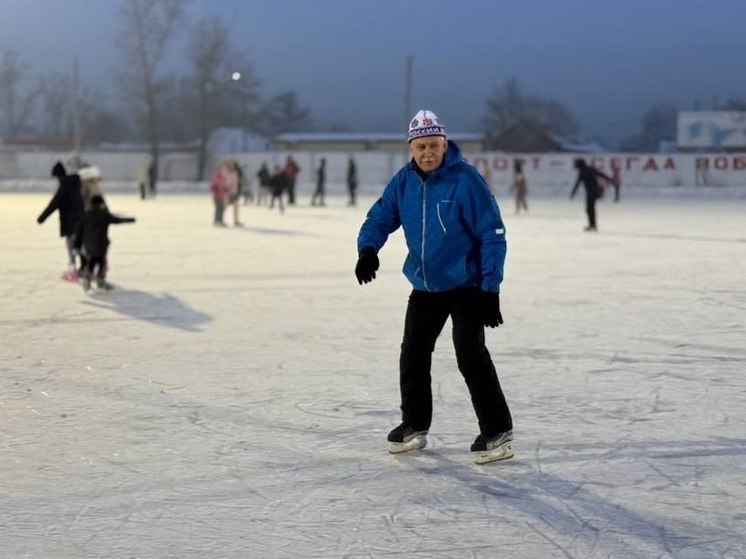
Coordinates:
<point>408,89</point>
<point>407,98</point>
<point>76,109</point>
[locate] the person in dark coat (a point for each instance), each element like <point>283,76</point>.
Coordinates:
<point>352,182</point>
<point>92,239</point>
<point>152,178</point>
<point>278,183</point>
<point>265,183</point>
<point>589,177</point>
<point>68,202</point>
<point>320,184</point>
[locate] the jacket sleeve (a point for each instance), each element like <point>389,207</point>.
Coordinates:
<point>382,219</point>
<point>575,188</point>
<point>54,204</point>
<point>113,218</point>
<point>483,218</point>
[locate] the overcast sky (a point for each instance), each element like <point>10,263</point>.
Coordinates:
<point>606,60</point>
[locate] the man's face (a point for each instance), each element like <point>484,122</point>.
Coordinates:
<point>428,152</point>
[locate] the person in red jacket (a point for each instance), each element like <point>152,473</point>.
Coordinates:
<point>291,173</point>
<point>219,191</point>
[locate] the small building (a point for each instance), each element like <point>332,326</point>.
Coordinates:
<point>362,141</point>
<point>524,137</point>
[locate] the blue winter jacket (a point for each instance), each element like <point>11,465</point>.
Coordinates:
<point>452,225</point>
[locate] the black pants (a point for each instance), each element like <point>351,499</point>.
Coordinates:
<point>426,315</point>
<point>96,264</point>
<point>590,209</point>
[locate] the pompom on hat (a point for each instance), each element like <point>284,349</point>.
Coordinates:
<point>425,123</point>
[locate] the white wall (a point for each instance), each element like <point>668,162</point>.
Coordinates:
<point>550,171</point>
<point>29,170</point>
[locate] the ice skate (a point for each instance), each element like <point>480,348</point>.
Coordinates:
<point>491,449</point>
<point>404,438</point>
<point>104,285</point>
<point>70,275</point>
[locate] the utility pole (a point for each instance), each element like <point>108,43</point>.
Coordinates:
<point>76,109</point>
<point>407,97</point>
<point>408,89</point>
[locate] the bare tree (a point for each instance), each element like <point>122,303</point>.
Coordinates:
<point>658,124</point>
<point>15,104</point>
<point>225,87</point>
<point>509,106</point>
<point>146,29</point>
<point>283,113</point>
<point>735,104</point>
<point>56,103</point>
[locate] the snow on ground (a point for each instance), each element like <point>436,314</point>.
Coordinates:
<point>232,396</point>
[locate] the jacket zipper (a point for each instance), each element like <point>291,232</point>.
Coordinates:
<point>424,223</point>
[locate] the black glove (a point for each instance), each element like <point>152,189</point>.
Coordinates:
<point>367,264</point>
<point>490,305</point>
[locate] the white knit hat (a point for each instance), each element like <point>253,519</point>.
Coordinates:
<point>425,123</point>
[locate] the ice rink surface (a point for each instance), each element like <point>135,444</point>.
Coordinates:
<point>231,398</point>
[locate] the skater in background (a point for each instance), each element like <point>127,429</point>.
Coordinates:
<point>352,181</point>
<point>616,174</point>
<point>68,202</point>
<point>219,192</point>
<point>244,185</point>
<point>142,182</point>
<point>519,186</point>
<point>701,176</point>
<point>320,184</point>
<point>291,174</point>
<point>265,180</point>
<point>456,240</point>
<point>589,177</point>
<point>152,178</point>
<point>278,184</point>
<point>233,187</point>
<point>92,239</point>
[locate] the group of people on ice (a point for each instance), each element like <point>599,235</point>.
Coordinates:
<point>229,184</point>
<point>84,224</point>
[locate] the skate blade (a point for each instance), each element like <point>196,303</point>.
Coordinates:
<point>502,452</point>
<point>418,442</point>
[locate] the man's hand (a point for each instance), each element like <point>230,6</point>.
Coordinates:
<point>367,264</point>
<point>490,303</point>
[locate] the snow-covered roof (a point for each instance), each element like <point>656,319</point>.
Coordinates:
<point>364,136</point>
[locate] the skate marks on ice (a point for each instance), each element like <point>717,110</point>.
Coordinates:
<point>674,237</point>
<point>581,499</point>
<point>573,516</point>
<point>163,310</point>
<point>274,231</point>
